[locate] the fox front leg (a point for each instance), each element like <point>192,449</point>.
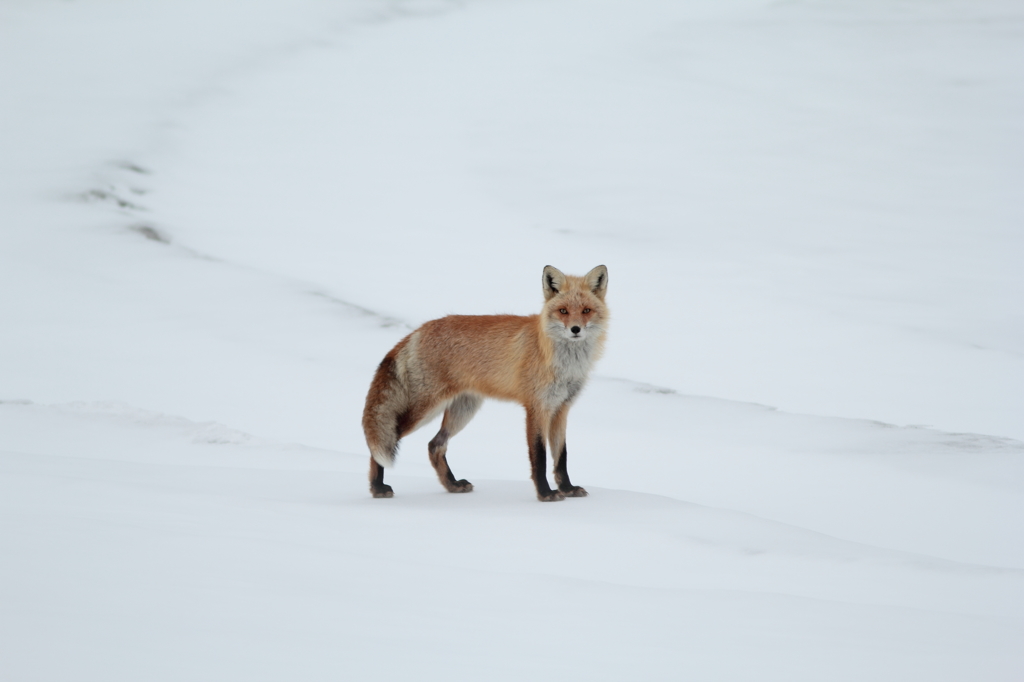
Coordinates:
<point>560,457</point>
<point>535,423</point>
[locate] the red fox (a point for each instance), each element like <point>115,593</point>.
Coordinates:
<point>452,364</point>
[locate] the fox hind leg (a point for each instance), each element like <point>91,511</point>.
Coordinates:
<point>456,416</point>
<point>384,429</point>
<point>377,486</point>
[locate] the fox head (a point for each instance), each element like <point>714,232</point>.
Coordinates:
<point>575,309</point>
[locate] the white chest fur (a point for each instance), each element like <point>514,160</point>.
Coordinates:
<point>572,361</point>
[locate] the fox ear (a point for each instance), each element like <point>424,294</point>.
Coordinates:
<point>597,280</point>
<point>553,281</point>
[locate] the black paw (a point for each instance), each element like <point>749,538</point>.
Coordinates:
<point>574,491</point>
<point>460,486</point>
<point>381,491</point>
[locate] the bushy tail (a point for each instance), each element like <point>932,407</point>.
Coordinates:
<point>386,405</point>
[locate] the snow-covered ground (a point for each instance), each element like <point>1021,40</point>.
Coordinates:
<point>216,217</point>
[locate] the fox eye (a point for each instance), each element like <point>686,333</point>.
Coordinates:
<point>586,310</point>
<point>563,311</point>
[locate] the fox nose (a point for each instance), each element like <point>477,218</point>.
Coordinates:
<point>575,330</point>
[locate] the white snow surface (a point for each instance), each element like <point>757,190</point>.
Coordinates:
<point>804,446</point>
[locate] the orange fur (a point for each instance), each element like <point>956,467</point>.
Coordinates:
<point>451,364</point>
